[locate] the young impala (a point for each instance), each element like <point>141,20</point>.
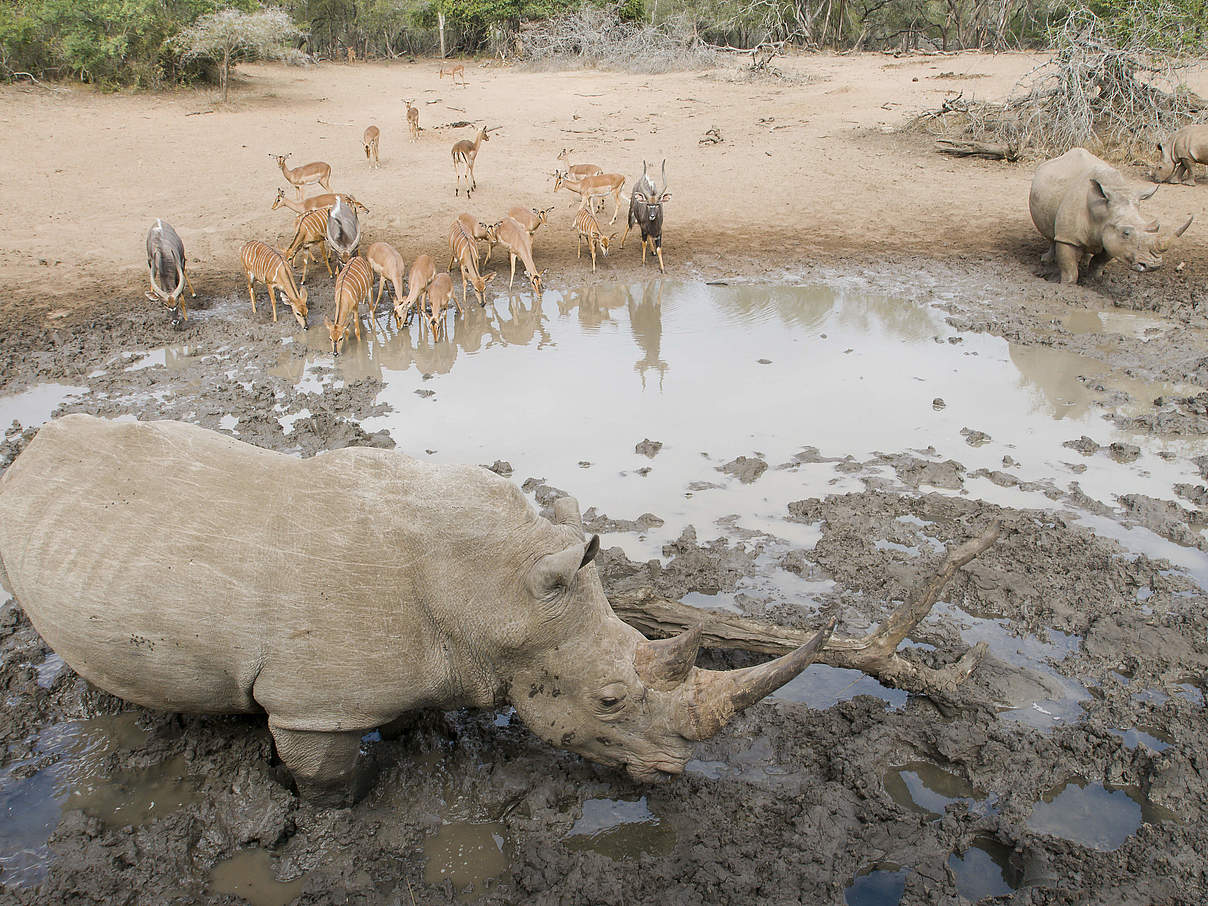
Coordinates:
<point>412,120</point>
<point>464,154</point>
<point>370,141</point>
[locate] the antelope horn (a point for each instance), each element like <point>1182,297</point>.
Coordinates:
<point>1162,244</point>
<point>666,663</point>
<point>663,190</point>
<point>711,697</point>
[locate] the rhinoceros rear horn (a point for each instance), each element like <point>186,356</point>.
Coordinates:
<point>668,662</point>
<point>717,696</point>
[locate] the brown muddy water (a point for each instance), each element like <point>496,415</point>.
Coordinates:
<point>773,451</point>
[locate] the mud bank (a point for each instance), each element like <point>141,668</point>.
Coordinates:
<point>1069,768</point>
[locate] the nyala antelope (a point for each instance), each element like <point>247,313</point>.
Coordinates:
<point>646,210</point>
<point>589,229</point>
<point>353,285</point>
<point>264,263</point>
<point>166,270</point>
<point>370,141</point>
<point>463,250</point>
<point>311,231</point>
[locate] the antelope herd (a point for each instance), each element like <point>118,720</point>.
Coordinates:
<point>331,221</point>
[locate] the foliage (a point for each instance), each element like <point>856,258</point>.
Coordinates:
<point>591,36</point>
<point>230,35</point>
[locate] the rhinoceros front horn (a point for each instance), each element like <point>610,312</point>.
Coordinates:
<point>666,663</point>
<point>1162,244</point>
<point>712,697</point>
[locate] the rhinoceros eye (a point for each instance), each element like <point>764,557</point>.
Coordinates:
<point>612,699</point>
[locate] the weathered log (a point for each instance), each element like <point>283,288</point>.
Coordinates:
<point>990,150</point>
<point>874,654</point>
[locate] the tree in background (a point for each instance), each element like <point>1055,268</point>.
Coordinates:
<point>230,35</point>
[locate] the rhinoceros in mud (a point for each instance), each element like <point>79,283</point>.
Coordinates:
<point>181,569</point>
<point>1180,152</point>
<point>1087,211</point>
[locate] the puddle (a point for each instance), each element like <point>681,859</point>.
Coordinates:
<point>467,854</point>
<point>672,361</point>
<point>1154,740</point>
<point>881,885</point>
<point>174,358</point>
<point>925,787</point>
<point>249,874</point>
<point>984,870</point>
<point>35,406</point>
<point>1042,697</point>
<point>32,805</point>
<point>620,829</point>
<point>1094,815</point>
<point>1114,321</point>
<point>820,686</point>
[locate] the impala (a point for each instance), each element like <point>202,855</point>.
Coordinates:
<point>453,71</point>
<point>592,187</point>
<point>370,141</point>
<point>387,263</point>
<point>530,218</point>
<point>412,120</point>
<point>440,291</point>
<point>423,270</point>
<point>464,154</point>
<point>318,171</point>
<point>316,202</point>
<point>519,244</point>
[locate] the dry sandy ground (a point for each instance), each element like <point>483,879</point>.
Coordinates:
<point>809,169</point>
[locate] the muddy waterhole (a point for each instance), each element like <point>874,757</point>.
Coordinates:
<point>677,411</point>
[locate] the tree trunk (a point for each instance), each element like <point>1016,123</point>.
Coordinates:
<point>224,77</point>
<point>440,24</point>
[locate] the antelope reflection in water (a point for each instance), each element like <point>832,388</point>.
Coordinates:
<point>646,322</point>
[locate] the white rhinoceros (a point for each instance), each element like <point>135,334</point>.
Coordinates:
<point>181,569</point>
<point>1089,214</point>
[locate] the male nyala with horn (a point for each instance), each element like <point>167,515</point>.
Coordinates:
<point>201,595</point>
<point>166,270</point>
<point>646,210</point>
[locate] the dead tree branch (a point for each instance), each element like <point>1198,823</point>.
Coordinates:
<point>875,654</point>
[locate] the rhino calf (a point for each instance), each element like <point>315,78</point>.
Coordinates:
<point>1089,214</point>
<point>166,565</point>
<point>1179,152</point>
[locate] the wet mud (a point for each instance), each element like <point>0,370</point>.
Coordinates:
<point>1069,768</point>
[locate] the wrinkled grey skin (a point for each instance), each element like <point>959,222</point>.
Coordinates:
<point>166,266</point>
<point>1089,214</point>
<point>181,569</point>
<point>343,230</point>
<point>1180,152</point>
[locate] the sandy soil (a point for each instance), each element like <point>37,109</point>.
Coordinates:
<point>809,168</point>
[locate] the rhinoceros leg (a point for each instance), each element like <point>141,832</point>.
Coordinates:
<point>1067,261</point>
<point>1098,262</point>
<point>324,765</point>
<point>1048,257</point>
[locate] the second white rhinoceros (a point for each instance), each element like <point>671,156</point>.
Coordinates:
<point>181,569</point>
<point>1089,214</point>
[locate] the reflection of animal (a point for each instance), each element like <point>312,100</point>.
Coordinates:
<point>463,249</point>
<point>453,71</point>
<point>343,229</point>
<point>353,285</point>
<point>465,152</point>
<point>646,210</point>
<point>589,229</point>
<point>519,244</point>
<point>166,269</point>
<point>1089,214</point>
<point>423,269</point>
<point>412,120</point>
<point>316,202</point>
<point>1180,152</point>
<point>264,263</point>
<point>592,187</point>
<point>318,171</point>
<point>370,140</point>
<point>312,230</point>
<point>329,638</point>
<point>387,263</point>
<point>440,291</point>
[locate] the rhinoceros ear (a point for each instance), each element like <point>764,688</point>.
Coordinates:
<point>566,512</point>
<point>553,573</point>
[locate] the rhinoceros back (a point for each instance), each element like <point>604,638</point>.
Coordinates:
<point>1058,197</point>
<point>182,569</point>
